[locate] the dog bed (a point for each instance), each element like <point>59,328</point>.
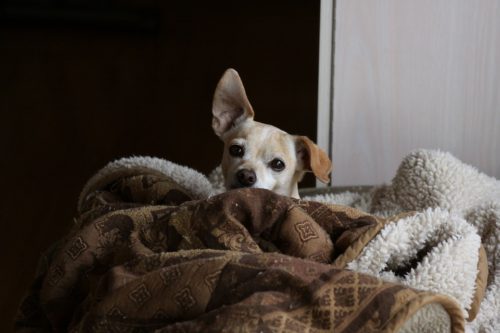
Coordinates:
<point>154,249</point>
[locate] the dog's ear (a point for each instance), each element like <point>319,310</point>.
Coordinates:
<point>230,104</point>
<point>312,158</point>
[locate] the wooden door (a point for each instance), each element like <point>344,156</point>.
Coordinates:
<point>412,74</point>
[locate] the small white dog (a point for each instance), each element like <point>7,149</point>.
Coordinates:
<point>260,155</point>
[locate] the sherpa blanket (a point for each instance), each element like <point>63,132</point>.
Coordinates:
<point>446,192</point>
<point>153,250</point>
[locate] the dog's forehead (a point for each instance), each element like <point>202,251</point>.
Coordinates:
<point>264,136</point>
<point>267,132</point>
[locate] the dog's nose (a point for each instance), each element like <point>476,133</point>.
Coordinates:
<point>246,177</point>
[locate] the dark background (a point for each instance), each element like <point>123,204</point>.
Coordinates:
<point>78,92</point>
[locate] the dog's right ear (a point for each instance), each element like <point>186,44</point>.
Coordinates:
<point>230,105</point>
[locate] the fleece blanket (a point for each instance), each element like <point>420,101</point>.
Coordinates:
<point>451,195</point>
<point>152,249</point>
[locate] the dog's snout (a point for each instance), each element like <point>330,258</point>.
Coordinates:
<point>246,177</point>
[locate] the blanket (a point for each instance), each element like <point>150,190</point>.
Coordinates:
<point>443,189</point>
<point>152,249</point>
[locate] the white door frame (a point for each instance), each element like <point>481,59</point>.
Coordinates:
<point>325,78</point>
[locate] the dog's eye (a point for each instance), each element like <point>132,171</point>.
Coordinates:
<point>277,164</point>
<point>236,151</point>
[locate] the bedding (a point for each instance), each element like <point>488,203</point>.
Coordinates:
<point>441,188</point>
<point>155,248</point>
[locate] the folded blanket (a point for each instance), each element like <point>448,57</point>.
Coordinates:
<point>151,250</point>
<point>446,192</point>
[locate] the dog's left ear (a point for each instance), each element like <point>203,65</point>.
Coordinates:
<point>230,105</point>
<point>312,158</point>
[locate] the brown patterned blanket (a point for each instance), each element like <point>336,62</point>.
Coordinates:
<point>149,253</point>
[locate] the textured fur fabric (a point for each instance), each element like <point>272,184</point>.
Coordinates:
<point>198,185</point>
<point>438,246</point>
<point>446,192</point>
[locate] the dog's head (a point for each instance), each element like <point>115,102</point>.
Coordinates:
<point>256,154</point>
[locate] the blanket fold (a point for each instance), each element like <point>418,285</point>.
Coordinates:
<point>457,202</point>
<point>153,251</point>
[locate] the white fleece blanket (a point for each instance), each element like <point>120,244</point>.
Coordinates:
<point>458,207</point>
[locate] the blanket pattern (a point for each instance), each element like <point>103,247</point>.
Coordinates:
<point>147,254</point>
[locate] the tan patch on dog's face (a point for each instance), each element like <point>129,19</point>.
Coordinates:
<point>262,144</point>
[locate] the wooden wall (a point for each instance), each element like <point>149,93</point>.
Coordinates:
<point>73,99</point>
<point>414,74</point>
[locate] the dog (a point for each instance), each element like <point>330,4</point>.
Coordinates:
<point>260,155</point>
